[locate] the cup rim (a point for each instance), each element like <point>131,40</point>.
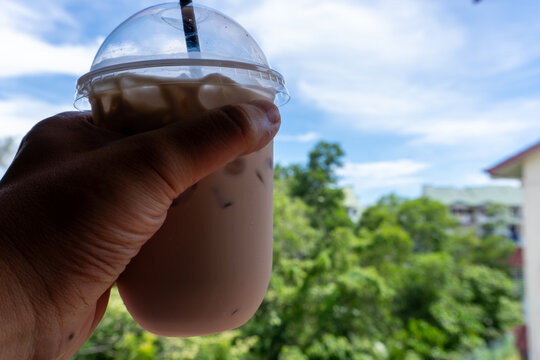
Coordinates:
<point>136,65</point>
<point>257,73</point>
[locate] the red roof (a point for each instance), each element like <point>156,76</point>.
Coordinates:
<point>511,167</point>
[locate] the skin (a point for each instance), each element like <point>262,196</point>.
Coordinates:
<point>78,202</point>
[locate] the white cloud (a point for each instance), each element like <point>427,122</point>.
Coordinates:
<point>389,100</point>
<point>359,32</point>
<point>480,179</point>
<point>488,129</point>
<point>407,67</point>
<point>384,174</point>
<point>435,116</point>
<point>40,16</point>
<point>24,52</point>
<point>19,115</point>
<point>462,131</point>
<point>302,138</point>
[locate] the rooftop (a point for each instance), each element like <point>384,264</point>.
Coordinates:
<point>476,196</point>
<point>512,167</point>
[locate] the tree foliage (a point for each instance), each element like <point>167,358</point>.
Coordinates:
<point>403,283</point>
<point>7,146</point>
<point>315,184</point>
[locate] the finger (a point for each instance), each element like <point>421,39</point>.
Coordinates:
<point>183,153</point>
<point>101,307</point>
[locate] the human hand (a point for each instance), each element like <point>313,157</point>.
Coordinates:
<point>77,204</point>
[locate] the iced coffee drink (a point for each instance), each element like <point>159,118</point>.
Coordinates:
<point>131,103</point>
<point>208,267</point>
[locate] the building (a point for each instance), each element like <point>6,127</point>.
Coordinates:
<point>525,166</point>
<point>352,204</point>
<point>474,207</point>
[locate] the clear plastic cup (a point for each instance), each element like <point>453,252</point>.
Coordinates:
<point>208,267</point>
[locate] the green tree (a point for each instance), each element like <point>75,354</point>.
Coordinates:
<point>405,283</point>
<point>383,213</point>
<point>6,150</point>
<point>499,219</point>
<point>443,294</point>
<point>429,223</point>
<point>316,185</point>
<point>118,337</point>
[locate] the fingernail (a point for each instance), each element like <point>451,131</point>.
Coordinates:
<point>271,110</point>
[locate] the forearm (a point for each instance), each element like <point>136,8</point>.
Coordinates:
<point>18,322</point>
<point>39,319</point>
<point>32,325</point>
<point>22,334</point>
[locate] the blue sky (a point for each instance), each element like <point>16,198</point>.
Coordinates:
<point>416,91</point>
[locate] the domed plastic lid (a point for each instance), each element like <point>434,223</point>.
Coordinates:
<point>153,42</point>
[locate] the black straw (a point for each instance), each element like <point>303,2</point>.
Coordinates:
<point>190,26</point>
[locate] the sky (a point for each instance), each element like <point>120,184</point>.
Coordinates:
<point>416,92</point>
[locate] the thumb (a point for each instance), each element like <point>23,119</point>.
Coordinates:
<point>182,153</point>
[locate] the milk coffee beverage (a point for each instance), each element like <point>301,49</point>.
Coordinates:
<point>208,267</point>
<point>131,103</point>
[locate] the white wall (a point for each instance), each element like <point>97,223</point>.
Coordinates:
<point>531,232</point>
